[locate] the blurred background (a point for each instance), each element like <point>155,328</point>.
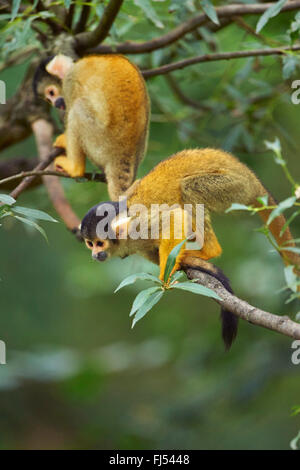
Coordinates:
<point>77,375</point>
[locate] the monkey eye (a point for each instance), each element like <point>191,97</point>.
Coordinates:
<point>50,92</point>
<point>99,243</point>
<point>90,244</point>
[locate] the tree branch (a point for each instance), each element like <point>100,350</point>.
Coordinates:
<point>43,131</point>
<point>280,324</point>
<point>183,98</point>
<point>84,16</point>
<point>70,16</point>
<point>228,11</point>
<point>96,177</point>
<point>13,166</point>
<point>214,57</point>
<point>90,39</point>
<point>20,110</point>
<point>41,166</point>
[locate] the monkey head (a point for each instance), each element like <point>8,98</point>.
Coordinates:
<point>98,230</point>
<point>48,79</point>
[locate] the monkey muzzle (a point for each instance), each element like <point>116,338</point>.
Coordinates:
<point>100,256</point>
<point>60,103</point>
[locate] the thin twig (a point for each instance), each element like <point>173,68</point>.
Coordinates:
<point>41,166</point>
<point>97,177</point>
<point>227,11</point>
<point>280,324</point>
<point>215,57</point>
<point>182,97</point>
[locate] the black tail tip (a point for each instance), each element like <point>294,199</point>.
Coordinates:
<point>229,328</point>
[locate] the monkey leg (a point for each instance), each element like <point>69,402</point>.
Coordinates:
<point>211,247</point>
<point>74,162</point>
<point>61,141</point>
<point>217,191</point>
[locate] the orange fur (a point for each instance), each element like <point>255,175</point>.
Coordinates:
<point>107,117</point>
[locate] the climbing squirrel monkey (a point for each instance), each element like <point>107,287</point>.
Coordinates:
<point>106,114</point>
<point>210,177</point>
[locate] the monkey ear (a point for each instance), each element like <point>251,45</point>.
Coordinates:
<point>59,65</point>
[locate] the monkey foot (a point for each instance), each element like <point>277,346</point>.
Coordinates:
<point>60,141</point>
<point>63,164</point>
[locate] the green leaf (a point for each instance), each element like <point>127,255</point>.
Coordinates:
<point>141,298</point>
<point>209,10</point>
<point>33,213</point>
<point>291,278</point>
<point>15,8</point>
<point>295,410</point>
<point>293,249</point>
<point>288,222</point>
<point>290,64</point>
<point>263,200</point>
<point>177,275</point>
<point>197,289</point>
<point>7,199</point>
<point>238,207</point>
<point>172,260</point>
<point>294,296</point>
<point>294,443</point>
<point>67,4</point>
<point>274,146</point>
<point>282,206</point>
<point>268,14</point>
<point>135,277</point>
<point>31,223</point>
<point>150,302</point>
<point>149,11</point>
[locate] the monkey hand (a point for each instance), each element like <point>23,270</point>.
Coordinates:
<point>65,165</point>
<point>61,141</point>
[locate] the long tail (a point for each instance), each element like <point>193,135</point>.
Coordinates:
<point>283,239</point>
<point>228,319</point>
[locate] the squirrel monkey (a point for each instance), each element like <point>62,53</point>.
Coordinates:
<point>106,114</point>
<point>200,176</point>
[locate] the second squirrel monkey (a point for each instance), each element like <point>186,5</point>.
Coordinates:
<point>211,177</point>
<point>106,115</point>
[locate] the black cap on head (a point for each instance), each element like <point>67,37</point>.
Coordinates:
<point>91,219</point>
<point>40,73</point>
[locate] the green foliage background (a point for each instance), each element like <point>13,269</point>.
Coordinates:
<point>77,376</point>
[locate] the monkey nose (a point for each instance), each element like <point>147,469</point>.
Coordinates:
<point>100,256</point>
<point>60,103</point>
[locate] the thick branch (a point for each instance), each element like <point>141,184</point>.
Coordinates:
<point>217,56</point>
<point>90,39</point>
<point>70,16</point>
<point>228,11</point>
<point>84,16</point>
<point>19,111</point>
<point>281,324</point>
<point>43,134</point>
